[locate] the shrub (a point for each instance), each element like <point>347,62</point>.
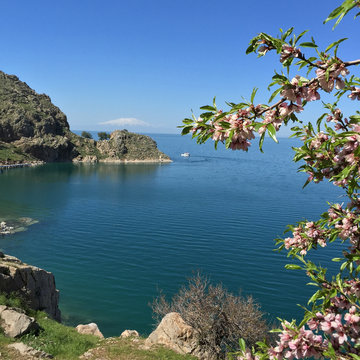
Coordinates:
<point>86,135</point>
<point>219,317</point>
<point>102,135</point>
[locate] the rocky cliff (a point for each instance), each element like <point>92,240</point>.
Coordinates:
<point>33,129</point>
<point>34,285</point>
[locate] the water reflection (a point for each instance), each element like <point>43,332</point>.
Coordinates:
<point>49,186</point>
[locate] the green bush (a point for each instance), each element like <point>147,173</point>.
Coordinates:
<point>86,135</point>
<point>103,135</point>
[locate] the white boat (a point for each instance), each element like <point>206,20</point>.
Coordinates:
<point>185,154</point>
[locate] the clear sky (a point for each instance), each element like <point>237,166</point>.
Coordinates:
<point>148,63</point>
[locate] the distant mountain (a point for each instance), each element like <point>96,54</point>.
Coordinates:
<point>33,129</point>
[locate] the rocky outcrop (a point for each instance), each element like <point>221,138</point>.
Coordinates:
<point>89,329</point>
<point>33,129</point>
<point>175,334</point>
<point>13,226</point>
<point>34,285</point>
<point>15,322</point>
<point>126,146</point>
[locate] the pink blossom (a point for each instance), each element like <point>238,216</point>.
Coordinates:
<point>355,93</point>
<point>289,51</point>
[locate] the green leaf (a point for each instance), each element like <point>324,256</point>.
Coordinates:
<point>253,95</point>
<point>274,94</point>
<point>316,296</point>
<point>300,36</point>
<point>250,49</point>
<point>242,344</point>
<point>208,107</point>
<point>335,13</point>
<point>287,33</point>
<point>293,267</point>
<point>279,77</point>
<point>186,130</point>
<point>337,259</point>
<point>272,132</point>
<point>343,266</point>
<point>187,121</point>
<point>229,139</point>
<point>334,44</point>
<point>308,44</point>
<point>261,141</point>
<point>341,11</point>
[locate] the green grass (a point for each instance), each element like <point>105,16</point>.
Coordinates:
<point>126,349</point>
<point>63,342</point>
<point>12,301</point>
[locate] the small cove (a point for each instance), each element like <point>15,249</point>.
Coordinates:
<point>113,235</point>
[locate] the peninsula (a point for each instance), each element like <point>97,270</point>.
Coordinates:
<point>33,130</point>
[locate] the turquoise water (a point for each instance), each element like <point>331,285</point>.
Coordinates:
<point>114,235</point>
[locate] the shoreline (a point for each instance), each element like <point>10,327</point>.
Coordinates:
<point>4,166</point>
<point>115,161</point>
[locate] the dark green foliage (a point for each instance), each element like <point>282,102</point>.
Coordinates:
<point>86,135</point>
<point>103,135</point>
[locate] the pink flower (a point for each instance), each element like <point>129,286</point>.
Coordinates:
<point>355,93</point>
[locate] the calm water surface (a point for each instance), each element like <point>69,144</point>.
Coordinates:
<point>114,235</point>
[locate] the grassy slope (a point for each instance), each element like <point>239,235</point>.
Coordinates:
<point>66,343</point>
<point>9,153</point>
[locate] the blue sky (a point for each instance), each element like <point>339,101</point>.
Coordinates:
<point>151,62</point>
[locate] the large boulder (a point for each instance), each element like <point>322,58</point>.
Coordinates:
<point>34,285</point>
<point>174,333</point>
<point>89,329</point>
<point>15,323</point>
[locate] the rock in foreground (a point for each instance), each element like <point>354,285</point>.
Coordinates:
<point>15,323</point>
<point>34,285</point>
<point>175,334</point>
<point>89,329</point>
<point>26,351</point>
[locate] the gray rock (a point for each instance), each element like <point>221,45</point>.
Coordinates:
<point>15,323</point>
<point>25,350</point>
<point>34,285</point>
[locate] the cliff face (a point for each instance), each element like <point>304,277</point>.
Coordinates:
<point>31,123</point>
<point>32,128</point>
<point>34,285</point>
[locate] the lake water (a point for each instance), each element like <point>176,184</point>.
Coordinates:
<point>114,235</point>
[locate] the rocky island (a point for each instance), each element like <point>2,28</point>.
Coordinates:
<point>33,130</point>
